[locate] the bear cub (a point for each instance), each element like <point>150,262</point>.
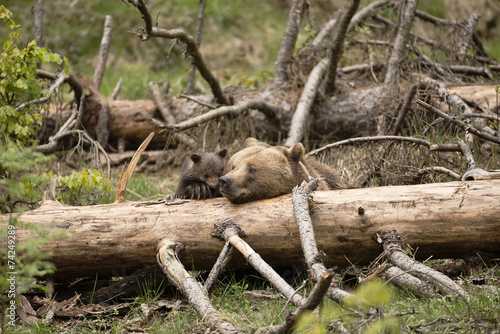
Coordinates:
<point>200,174</point>
<point>261,171</point>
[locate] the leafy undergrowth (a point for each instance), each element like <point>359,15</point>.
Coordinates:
<point>251,303</point>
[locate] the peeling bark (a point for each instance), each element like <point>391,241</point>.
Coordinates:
<point>122,237</point>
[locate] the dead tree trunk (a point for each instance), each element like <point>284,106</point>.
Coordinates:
<point>442,219</point>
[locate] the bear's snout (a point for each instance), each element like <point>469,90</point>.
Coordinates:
<point>224,182</point>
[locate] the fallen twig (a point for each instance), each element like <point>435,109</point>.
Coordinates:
<point>219,266</point>
<point>312,301</point>
<point>456,121</point>
<point>404,280</point>
<point>393,251</point>
<point>431,146</point>
<point>229,230</point>
<point>456,102</point>
<point>194,292</point>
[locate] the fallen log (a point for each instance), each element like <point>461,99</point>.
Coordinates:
<point>443,220</point>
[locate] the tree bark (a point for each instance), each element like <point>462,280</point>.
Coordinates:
<point>443,220</point>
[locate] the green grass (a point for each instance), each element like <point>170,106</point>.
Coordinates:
<point>399,308</point>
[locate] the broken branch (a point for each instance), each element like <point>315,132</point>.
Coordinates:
<point>263,106</point>
<point>191,48</point>
<point>454,120</point>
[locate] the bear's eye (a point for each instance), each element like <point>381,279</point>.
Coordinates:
<point>250,169</point>
<point>206,176</point>
<point>232,167</point>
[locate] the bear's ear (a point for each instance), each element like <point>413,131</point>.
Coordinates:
<point>196,157</point>
<point>222,153</point>
<point>254,142</point>
<point>296,152</point>
<point>251,142</point>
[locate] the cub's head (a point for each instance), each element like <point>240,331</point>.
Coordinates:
<point>261,171</point>
<point>208,167</point>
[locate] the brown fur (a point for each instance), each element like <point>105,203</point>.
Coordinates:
<point>263,171</point>
<point>200,175</point>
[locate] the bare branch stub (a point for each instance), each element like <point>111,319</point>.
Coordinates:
<point>466,151</point>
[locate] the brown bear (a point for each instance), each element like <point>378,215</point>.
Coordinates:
<point>263,171</point>
<point>200,175</point>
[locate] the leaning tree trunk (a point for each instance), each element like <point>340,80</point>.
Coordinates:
<point>442,219</point>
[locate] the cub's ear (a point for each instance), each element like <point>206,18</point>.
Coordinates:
<point>196,157</point>
<point>296,152</point>
<point>222,153</point>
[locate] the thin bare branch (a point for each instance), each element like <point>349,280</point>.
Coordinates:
<point>229,230</point>
<point>191,48</point>
<point>194,292</point>
<point>220,265</point>
<point>466,151</point>
<point>71,80</point>
<point>456,102</point>
<point>263,106</point>
<point>300,196</point>
<point>103,52</point>
<point>431,146</point>
<point>459,123</point>
<point>406,17</point>
<point>38,22</point>
<point>367,12</point>
<point>443,170</point>
<point>285,52</point>
<point>432,19</point>
<point>159,99</point>
<point>404,108</point>
<point>116,90</point>
<point>327,29</point>
<point>404,280</point>
<point>337,46</point>
<point>393,251</point>
<point>299,120</point>
<point>466,35</point>
<point>313,300</point>
<point>199,29</point>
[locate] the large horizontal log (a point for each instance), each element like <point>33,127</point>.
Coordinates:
<point>440,220</point>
